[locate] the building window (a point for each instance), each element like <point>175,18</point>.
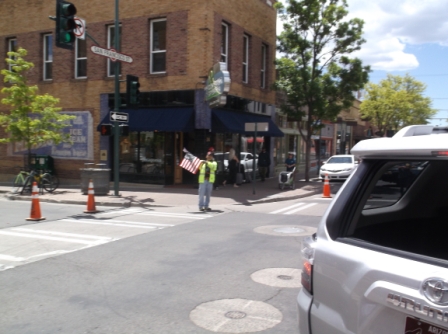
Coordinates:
<point>225,43</point>
<point>12,47</point>
<point>48,57</point>
<point>112,45</point>
<point>158,46</point>
<point>263,66</point>
<point>80,58</point>
<point>245,59</point>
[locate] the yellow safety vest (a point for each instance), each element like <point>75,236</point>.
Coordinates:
<point>213,167</point>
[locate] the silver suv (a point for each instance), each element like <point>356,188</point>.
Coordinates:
<point>378,263</point>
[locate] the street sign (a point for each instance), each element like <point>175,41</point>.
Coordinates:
<point>119,116</point>
<point>80,31</point>
<point>111,53</point>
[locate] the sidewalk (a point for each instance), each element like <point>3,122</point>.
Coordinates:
<point>141,195</point>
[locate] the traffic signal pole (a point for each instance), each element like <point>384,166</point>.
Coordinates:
<point>117,105</point>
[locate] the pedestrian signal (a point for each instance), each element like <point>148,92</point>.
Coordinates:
<point>106,129</point>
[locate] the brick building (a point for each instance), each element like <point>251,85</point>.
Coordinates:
<point>174,45</point>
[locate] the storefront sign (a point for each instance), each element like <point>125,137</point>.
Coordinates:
<point>217,86</point>
<point>80,130</point>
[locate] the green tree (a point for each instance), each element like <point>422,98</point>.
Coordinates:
<point>315,73</point>
<point>33,118</point>
<point>396,102</point>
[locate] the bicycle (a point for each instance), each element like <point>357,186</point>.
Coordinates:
<point>23,182</point>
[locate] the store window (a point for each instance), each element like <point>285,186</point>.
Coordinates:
<point>48,57</point>
<point>158,46</point>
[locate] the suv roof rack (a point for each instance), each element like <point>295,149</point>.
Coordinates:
<point>420,130</point>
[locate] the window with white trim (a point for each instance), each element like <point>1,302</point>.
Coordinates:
<point>12,47</point>
<point>48,57</point>
<point>263,66</point>
<point>225,43</point>
<point>158,46</point>
<point>112,45</point>
<point>245,58</point>
<point>80,58</point>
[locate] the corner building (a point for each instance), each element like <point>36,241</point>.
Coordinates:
<point>173,44</point>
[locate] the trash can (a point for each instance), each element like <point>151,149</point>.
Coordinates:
<point>99,174</point>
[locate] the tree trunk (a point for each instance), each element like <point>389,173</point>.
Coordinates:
<point>307,157</point>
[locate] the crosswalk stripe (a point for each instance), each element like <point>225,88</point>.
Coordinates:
<point>301,208</point>
<point>287,208</point>
<point>37,236</point>
<point>86,236</point>
<point>122,223</point>
<point>11,258</point>
<point>175,215</point>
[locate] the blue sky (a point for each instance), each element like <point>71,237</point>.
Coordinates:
<point>407,36</point>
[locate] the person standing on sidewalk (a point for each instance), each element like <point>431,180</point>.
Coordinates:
<point>233,168</point>
<point>263,163</point>
<point>207,171</point>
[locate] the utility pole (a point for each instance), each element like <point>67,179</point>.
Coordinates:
<point>117,104</point>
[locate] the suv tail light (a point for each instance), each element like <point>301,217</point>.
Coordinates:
<point>308,259</point>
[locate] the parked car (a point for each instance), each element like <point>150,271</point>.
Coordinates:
<point>378,262</point>
<point>246,163</point>
<point>338,167</point>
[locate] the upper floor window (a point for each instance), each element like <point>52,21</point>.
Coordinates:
<point>12,47</point>
<point>158,46</point>
<point>48,57</point>
<point>263,66</point>
<point>111,44</point>
<point>225,43</point>
<point>80,58</point>
<point>245,59</point>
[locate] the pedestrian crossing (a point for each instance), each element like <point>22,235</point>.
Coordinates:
<point>289,210</point>
<point>22,245</point>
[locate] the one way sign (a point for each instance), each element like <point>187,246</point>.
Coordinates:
<point>119,116</point>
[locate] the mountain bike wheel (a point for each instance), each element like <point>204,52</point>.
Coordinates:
<point>17,183</point>
<point>50,182</point>
<point>27,186</point>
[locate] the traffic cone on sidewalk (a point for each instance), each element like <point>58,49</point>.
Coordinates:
<point>35,206</point>
<point>327,192</point>
<point>90,199</point>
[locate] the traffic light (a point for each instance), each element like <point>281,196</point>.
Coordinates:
<point>106,129</point>
<point>132,91</point>
<point>65,24</point>
<point>124,130</point>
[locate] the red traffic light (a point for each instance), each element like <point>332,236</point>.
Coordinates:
<point>106,129</point>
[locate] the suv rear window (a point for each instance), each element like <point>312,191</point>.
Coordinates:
<point>405,208</point>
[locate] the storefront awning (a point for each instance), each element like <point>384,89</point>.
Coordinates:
<point>230,121</point>
<point>158,119</point>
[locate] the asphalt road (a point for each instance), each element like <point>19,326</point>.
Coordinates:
<point>234,270</point>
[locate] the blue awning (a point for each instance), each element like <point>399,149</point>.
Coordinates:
<point>233,122</point>
<point>158,119</point>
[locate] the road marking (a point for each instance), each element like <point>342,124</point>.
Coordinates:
<point>87,236</point>
<point>287,208</point>
<point>176,215</point>
<point>11,258</point>
<point>122,223</point>
<point>301,208</point>
<point>113,212</point>
<point>36,236</point>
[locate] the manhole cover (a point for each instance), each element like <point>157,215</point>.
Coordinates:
<point>286,230</point>
<point>235,315</point>
<point>279,277</point>
<point>289,230</point>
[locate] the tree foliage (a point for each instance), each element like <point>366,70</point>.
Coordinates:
<point>315,71</point>
<point>33,119</point>
<point>396,102</point>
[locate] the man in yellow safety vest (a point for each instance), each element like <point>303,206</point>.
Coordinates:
<point>207,171</point>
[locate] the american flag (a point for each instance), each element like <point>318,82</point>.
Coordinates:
<point>190,162</point>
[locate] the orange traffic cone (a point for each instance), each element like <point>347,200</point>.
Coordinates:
<point>90,199</point>
<point>327,192</point>
<point>35,206</point>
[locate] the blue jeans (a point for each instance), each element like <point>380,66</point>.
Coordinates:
<point>205,190</point>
